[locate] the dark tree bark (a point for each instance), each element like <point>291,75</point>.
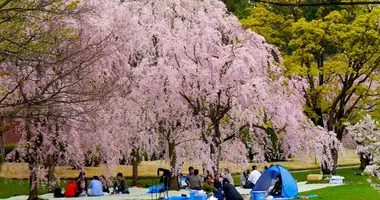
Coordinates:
<point>173,182</point>
<point>51,169</point>
<point>135,165</point>
<point>363,161</point>
<point>33,182</point>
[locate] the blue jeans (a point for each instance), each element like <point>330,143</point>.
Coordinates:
<point>126,191</point>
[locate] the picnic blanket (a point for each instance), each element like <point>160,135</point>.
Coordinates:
<point>178,198</point>
<point>156,189</point>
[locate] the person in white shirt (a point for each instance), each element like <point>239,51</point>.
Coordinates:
<point>255,175</point>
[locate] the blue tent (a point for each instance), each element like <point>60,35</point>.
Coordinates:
<point>289,185</point>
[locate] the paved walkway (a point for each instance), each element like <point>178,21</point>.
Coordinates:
<point>140,193</point>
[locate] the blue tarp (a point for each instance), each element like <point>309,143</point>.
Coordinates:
<point>155,189</point>
<point>289,185</point>
<point>179,198</point>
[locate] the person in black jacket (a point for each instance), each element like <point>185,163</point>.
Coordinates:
<point>165,177</point>
<point>277,189</point>
<point>81,184</point>
<point>230,191</point>
<point>120,185</point>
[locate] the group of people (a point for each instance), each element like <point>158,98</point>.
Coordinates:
<point>219,186</point>
<point>248,180</point>
<point>98,186</point>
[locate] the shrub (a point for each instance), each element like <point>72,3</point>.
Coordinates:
<point>9,148</point>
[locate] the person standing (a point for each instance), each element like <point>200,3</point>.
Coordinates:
<point>165,177</point>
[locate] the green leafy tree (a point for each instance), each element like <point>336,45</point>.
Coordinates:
<point>240,8</point>
<point>336,50</point>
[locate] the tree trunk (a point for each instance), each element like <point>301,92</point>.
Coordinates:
<point>334,163</point>
<point>173,181</point>
<point>51,176</point>
<point>214,157</point>
<point>135,165</point>
<point>216,150</point>
<point>335,155</point>
<point>363,161</point>
<point>2,150</point>
<point>33,183</point>
<point>2,144</point>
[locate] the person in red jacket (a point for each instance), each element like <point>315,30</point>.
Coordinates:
<point>71,189</point>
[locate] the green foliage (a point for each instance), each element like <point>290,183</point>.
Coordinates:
<point>9,148</point>
<point>336,49</point>
<point>21,29</point>
<point>31,34</point>
<point>238,7</point>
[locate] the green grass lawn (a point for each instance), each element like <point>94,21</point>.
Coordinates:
<point>346,192</point>
<point>356,188</point>
<point>14,187</point>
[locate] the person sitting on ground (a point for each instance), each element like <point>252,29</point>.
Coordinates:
<point>277,189</point>
<point>218,185</point>
<point>182,181</point>
<point>81,184</point>
<point>195,181</point>
<point>208,186</point>
<point>244,177</point>
<point>105,184</point>
<point>191,172</point>
<point>71,189</point>
<point>96,187</point>
<point>228,176</point>
<point>58,193</point>
<point>253,177</point>
<point>121,185</point>
<point>230,191</point>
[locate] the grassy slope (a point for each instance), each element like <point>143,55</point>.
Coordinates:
<point>20,170</point>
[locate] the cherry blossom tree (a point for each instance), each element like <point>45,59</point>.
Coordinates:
<point>44,86</point>
<point>362,131</point>
<point>367,136</point>
<point>227,76</point>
